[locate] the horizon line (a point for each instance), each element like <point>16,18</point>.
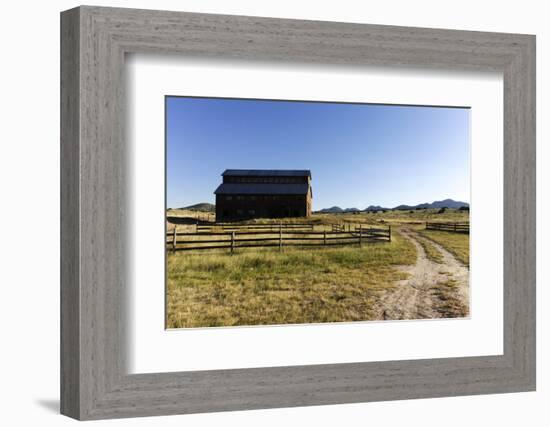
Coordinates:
<point>353,207</point>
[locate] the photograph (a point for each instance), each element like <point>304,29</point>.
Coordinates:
<point>286,212</point>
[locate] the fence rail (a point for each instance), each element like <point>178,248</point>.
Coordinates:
<point>232,240</point>
<point>455,227</point>
<point>239,227</point>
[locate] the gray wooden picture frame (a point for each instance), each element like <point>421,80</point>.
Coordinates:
<point>94,382</point>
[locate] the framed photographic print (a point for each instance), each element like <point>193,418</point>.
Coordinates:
<point>295,257</point>
<point>261,213</point>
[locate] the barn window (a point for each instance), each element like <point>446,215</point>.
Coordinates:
<point>228,197</point>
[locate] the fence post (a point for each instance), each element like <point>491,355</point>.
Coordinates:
<point>280,236</point>
<point>232,241</point>
<point>360,235</point>
<point>175,238</point>
<point>389,232</point>
<point>325,237</point>
<point>455,227</point>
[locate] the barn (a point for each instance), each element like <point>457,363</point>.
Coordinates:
<point>260,193</point>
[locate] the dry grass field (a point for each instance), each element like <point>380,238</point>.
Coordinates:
<point>400,216</point>
<point>456,243</point>
<point>268,287</point>
<point>431,251</point>
<point>262,286</point>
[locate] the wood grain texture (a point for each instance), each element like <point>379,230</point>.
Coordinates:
<point>70,263</point>
<point>94,267</point>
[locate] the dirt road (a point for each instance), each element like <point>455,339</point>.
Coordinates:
<point>433,290</point>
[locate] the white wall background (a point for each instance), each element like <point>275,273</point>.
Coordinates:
<point>29,176</point>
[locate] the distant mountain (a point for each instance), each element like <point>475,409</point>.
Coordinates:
<point>334,209</point>
<point>338,209</point>
<point>408,207</point>
<point>447,203</point>
<point>372,208</point>
<point>201,207</point>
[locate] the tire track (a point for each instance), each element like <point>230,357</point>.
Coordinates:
<point>431,291</point>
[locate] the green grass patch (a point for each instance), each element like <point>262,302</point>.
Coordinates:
<point>262,287</point>
<point>431,252</point>
<point>456,243</point>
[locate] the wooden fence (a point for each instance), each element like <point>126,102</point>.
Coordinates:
<point>455,227</point>
<point>342,227</point>
<point>237,239</point>
<point>252,227</point>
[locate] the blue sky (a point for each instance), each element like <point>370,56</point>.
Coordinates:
<point>358,154</point>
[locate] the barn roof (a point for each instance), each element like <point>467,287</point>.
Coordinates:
<point>266,172</point>
<point>253,188</point>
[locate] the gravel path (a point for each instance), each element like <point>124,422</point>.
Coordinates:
<point>425,294</point>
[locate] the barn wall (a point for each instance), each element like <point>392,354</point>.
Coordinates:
<point>309,202</point>
<point>261,206</point>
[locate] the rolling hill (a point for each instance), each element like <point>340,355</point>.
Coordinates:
<point>201,207</point>
<point>447,203</point>
<point>338,209</point>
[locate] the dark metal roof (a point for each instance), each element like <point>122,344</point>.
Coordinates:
<point>265,172</point>
<point>252,188</point>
